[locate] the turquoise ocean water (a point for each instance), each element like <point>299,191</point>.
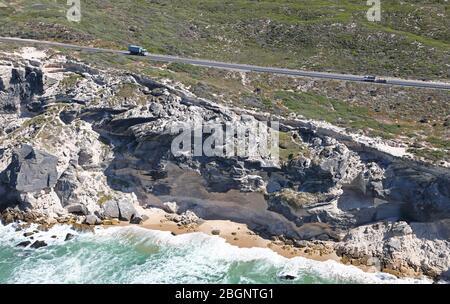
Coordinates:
<point>137,255</point>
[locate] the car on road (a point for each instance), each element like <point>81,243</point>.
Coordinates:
<point>369,78</point>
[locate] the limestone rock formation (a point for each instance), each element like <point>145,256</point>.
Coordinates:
<point>74,146</point>
<point>30,170</point>
<point>399,247</point>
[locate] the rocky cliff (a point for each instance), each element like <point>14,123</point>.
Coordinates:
<point>78,144</point>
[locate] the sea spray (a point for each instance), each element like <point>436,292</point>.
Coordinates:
<point>138,255</point>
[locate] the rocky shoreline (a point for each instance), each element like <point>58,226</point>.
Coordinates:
<point>87,147</point>
<point>234,233</point>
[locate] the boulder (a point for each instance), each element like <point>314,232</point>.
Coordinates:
<point>38,244</point>
<point>111,210</point>
<point>288,277</point>
<point>69,237</point>
<point>126,210</point>
<point>92,220</point>
<point>77,209</point>
<point>188,218</point>
<point>66,186</point>
<point>31,170</point>
<point>138,219</point>
<point>400,229</point>
<point>23,244</point>
<point>170,207</point>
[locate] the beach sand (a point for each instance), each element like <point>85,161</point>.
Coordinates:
<point>234,233</point>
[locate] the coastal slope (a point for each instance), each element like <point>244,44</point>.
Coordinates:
<point>87,146</point>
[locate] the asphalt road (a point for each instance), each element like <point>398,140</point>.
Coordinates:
<point>239,67</point>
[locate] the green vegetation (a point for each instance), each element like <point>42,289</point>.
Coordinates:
<point>336,112</point>
<point>433,155</point>
<point>193,71</point>
<point>291,147</point>
<point>438,142</point>
<point>412,40</point>
<point>42,128</point>
<point>70,81</point>
<point>127,92</point>
<point>104,198</point>
<point>41,120</point>
<point>388,112</point>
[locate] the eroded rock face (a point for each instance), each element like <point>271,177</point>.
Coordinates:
<point>30,170</point>
<point>20,89</point>
<point>426,191</point>
<point>399,247</point>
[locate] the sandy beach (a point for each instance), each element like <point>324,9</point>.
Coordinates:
<point>236,234</point>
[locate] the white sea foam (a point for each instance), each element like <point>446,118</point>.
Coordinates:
<point>137,255</point>
<point>217,251</point>
<point>11,235</point>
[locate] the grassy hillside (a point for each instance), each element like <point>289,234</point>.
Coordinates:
<point>419,118</point>
<point>412,41</point>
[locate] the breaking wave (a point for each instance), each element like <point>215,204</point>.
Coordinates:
<point>138,255</point>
